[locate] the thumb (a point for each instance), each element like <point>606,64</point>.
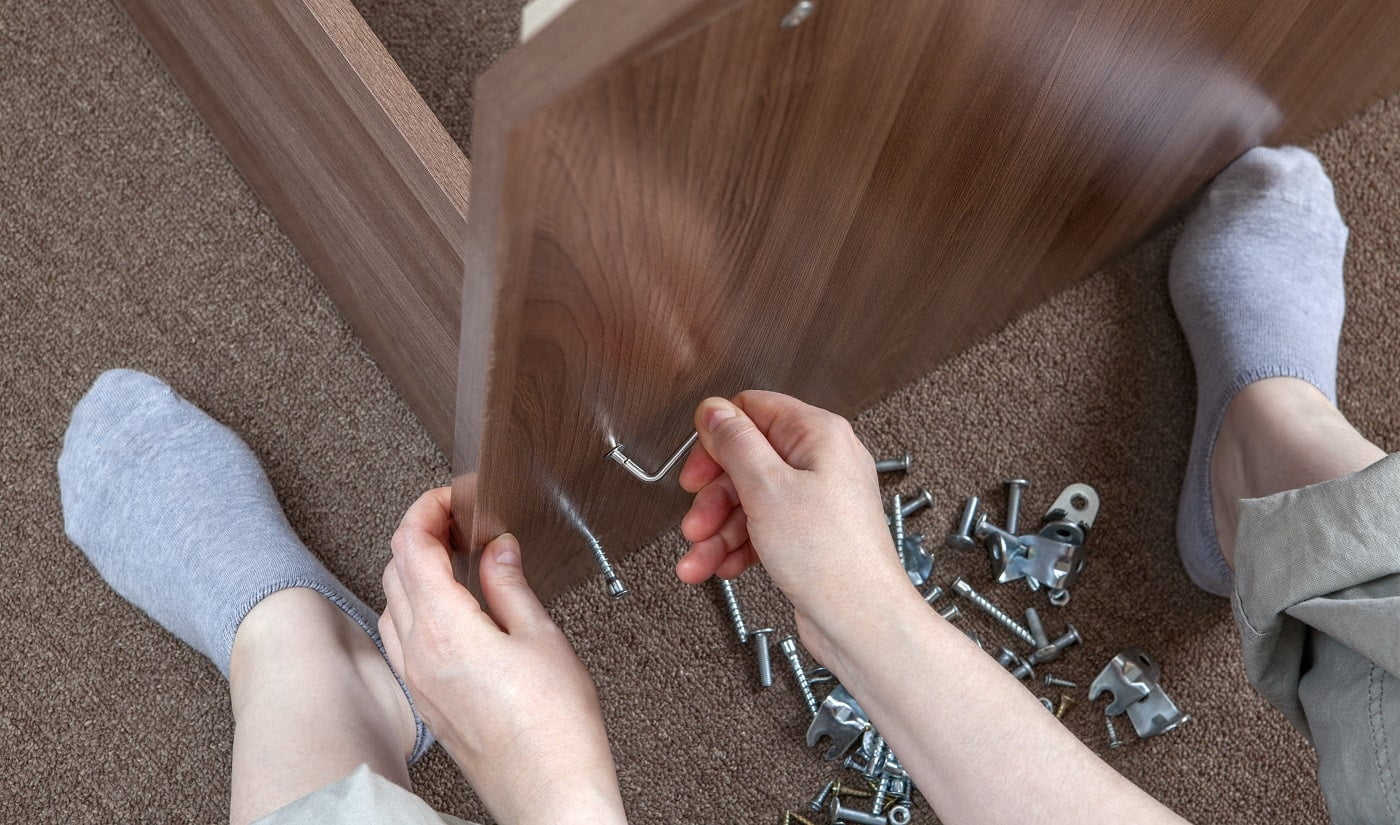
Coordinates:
<point>737,445</point>
<point>509,598</point>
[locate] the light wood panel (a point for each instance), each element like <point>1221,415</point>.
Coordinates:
<point>329,133</point>
<point>680,198</point>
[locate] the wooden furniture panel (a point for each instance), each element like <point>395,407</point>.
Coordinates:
<point>329,133</point>
<point>681,198</point>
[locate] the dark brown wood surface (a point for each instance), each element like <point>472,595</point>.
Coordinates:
<point>680,198</point>
<point>359,173</point>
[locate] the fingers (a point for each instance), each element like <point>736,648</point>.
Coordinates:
<point>737,562</point>
<point>806,437</point>
<point>709,510</point>
<point>736,444</point>
<point>509,598</point>
<point>707,555</point>
<point>393,646</point>
<point>699,469</point>
<point>421,543</point>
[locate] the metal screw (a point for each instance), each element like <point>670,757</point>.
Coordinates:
<point>616,589</point>
<point>1053,680</point>
<point>1065,704</point>
<point>891,465</point>
<point>950,612</point>
<point>840,813</point>
<point>789,648</point>
<point>877,758</point>
<point>838,790</point>
<point>877,803</point>
<point>1006,658</point>
<point>1014,488</point>
<point>1047,704</point>
<point>1053,651</point>
<point>983,527</point>
<point>1037,629</point>
<point>1113,741</point>
<point>736,616</point>
<point>790,817</point>
<point>798,14</point>
<point>897,522</point>
<point>765,664</point>
<point>962,539</point>
<point>919,502</point>
<point>934,594</point>
<point>819,801</point>
<point>962,588</point>
<point>1023,670</point>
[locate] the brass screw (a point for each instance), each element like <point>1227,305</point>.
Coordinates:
<point>789,818</point>
<point>838,790</point>
<point>1065,704</point>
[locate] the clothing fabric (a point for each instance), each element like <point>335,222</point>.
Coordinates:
<point>363,796</point>
<point>1317,601</point>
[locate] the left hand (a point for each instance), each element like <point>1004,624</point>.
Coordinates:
<point>503,691</point>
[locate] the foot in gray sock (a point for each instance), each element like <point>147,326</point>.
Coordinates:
<point>174,511</point>
<point>1256,282</point>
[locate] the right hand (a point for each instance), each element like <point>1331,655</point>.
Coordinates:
<point>789,485</point>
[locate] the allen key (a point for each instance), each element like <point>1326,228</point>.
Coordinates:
<point>650,478</point>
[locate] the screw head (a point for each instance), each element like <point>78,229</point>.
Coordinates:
<point>957,541</point>
<point>616,589</point>
<point>798,14</point>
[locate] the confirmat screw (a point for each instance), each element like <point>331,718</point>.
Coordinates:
<point>893,465</point>
<point>616,589</point>
<point>736,616</point>
<point>798,15</point>
<point>761,652</point>
<point>897,523</point>
<point>789,648</point>
<point>1014,488</point>
<point>1113,740</point>
<point>882,792</point>
<point>962,588</point>
<point>962,538</point>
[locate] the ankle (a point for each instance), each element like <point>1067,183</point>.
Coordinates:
<point>296,639</point>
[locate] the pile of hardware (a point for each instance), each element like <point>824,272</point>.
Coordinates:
<point>1051,560</point>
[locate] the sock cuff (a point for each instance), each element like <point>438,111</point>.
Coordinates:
<point>362,616</point>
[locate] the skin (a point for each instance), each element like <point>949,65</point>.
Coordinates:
<point>778,483</point>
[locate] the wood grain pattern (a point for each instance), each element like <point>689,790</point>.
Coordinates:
<point>679,198</point>
<point>359,173</point>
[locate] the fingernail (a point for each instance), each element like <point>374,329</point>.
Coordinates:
<point>507,550</point>
<point>717,411</point>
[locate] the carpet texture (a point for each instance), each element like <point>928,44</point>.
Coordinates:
<point>127,239</point>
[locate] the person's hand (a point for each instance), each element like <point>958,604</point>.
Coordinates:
<point>504,693</point>
<point>789,485</point>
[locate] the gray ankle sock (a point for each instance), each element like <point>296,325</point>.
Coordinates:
<point>1256,282</point>
<point>174,511</point>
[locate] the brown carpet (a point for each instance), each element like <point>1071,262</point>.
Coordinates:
<point>127,239</point>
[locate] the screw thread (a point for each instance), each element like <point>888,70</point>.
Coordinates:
<point>789,648</point>
<point>882,790</point>
<point>962,588</point>
<point>898,519</point>
<point>736,616</point>
<point>1113,740</point>
<point>603,563</point>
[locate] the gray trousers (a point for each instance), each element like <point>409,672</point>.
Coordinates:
<point>1317,601</point>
